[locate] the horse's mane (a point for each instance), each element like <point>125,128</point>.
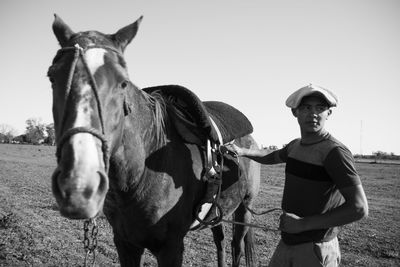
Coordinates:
<point>158,106</point>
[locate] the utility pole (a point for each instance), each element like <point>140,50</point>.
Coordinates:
<point>361,125</point>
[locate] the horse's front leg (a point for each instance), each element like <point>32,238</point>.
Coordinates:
<point>128,254</point>
<point>171,253</point>
<point>219,240</point>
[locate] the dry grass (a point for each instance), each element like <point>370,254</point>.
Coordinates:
<point>32,233</point>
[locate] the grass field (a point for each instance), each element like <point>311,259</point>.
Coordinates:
<point>32,233</point>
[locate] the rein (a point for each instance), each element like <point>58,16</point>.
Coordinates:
<point>90,241</point>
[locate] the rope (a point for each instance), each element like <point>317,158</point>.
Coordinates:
<point>67,135</point>
<point>69,81</point>
<point>250,225</point>
<point>95,92</point>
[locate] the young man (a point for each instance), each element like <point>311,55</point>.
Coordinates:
<point>322,188</point>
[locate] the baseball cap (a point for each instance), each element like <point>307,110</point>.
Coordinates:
<point>294,99</point>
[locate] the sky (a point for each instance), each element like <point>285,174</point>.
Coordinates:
<point>249,54</point>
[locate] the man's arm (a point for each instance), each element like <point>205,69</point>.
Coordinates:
<point>263,155</point>
<point>354,208</point>
<point>339,163</point>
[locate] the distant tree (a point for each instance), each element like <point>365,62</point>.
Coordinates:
<point>51,136</point>
<point>7,133</point>
<point>35,131</point>
<point>20,139</point>
<point>3,138</point>
<point>380,155</point>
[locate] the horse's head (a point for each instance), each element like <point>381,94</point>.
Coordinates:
<point>90,83</point>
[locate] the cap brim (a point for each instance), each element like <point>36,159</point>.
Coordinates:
<point>295,99</point>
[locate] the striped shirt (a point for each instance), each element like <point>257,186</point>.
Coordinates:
<point>314,174</point>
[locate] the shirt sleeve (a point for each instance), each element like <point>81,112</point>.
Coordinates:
<point>340,166</point>
<point>283,153</point>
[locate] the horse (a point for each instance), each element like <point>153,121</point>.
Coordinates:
<point>119,153</point>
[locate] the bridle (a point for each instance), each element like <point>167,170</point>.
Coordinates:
<point>79,54</point>
<point>90,242</point>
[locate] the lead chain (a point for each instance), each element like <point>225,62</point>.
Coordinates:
<point>90,242</point>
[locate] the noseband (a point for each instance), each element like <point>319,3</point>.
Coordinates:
<point>79,54</point>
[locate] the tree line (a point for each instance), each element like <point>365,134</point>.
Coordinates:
<point>378,155</point>
<point>36,132</point>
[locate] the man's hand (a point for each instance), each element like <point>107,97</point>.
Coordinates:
<point>231,148</point>
<point>291,223</point>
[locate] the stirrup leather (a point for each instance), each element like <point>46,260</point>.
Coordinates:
<point>213,177</point>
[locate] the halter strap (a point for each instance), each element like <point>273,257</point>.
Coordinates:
<point>79,54</point>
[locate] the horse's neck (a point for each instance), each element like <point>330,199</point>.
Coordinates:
<point>143,135</point>
<point>144,125</point>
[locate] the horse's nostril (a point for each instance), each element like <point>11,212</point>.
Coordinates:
<point>87,193</point>
<point>54,182</point>
<point>103,185</point>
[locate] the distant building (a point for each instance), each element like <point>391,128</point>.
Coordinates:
<point>270,147</point>
<point>273,147</point>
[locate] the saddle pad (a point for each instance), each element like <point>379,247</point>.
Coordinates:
<point>231,122</point>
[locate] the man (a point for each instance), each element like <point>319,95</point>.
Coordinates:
<point>322,188</point>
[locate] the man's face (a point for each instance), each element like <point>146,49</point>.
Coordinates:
<point>311,114</point>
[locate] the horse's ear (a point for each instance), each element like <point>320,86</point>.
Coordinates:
<point>125,35</point>
<point>61,30</point>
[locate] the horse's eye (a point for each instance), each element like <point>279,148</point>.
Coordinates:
<point>124,84</point>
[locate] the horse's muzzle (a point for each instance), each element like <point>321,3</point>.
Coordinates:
<point>79,197</point>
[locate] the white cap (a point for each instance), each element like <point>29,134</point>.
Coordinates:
<point>294,99</point>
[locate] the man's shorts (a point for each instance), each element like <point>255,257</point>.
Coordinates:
<point>311,254</point>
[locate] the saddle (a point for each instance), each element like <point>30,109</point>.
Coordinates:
<point>208,124</point>
<point>197,121</point>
